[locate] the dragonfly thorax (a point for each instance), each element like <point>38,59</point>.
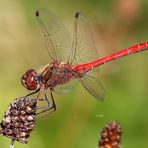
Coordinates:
<point>56,74</point>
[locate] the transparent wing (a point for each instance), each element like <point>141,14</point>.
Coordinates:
<point>56,35</point>
<point>83,48</point>
<point>93,86</point>
<point>67,87</point>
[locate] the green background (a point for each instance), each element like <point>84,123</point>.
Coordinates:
<point>79,118</point>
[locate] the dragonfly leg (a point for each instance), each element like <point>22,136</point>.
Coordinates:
<point>46,98</point>
<point>33,92</point>
<point>43,115</point>
<point>48,107</point>
<point>53,102</point>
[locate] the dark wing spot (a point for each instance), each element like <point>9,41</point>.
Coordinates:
<point>77,14</point>
<point>37,13</point>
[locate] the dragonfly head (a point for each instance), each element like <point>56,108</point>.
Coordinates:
<point>30,80</point>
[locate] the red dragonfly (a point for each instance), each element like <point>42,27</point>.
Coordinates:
<point>70,59</point>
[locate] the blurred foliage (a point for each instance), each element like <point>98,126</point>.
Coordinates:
<point>79,117</point>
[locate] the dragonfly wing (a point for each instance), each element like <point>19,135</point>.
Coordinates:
<point>67,87</point>
<point>83,48</point>
<point>93,86</point>
<point>56,35</point>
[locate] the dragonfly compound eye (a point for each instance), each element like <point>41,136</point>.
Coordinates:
<point>30,80</point>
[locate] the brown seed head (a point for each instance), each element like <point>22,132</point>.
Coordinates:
<point>110,136</point>
<point>19,119</point>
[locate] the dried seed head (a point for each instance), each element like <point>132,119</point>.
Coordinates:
<point>110,136</point>
<point>19,119</point>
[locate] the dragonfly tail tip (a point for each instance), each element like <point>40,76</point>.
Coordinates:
<point>77,14</point>
<point>37,13</point>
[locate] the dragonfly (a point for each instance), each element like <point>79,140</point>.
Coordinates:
<point>70,59</point>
